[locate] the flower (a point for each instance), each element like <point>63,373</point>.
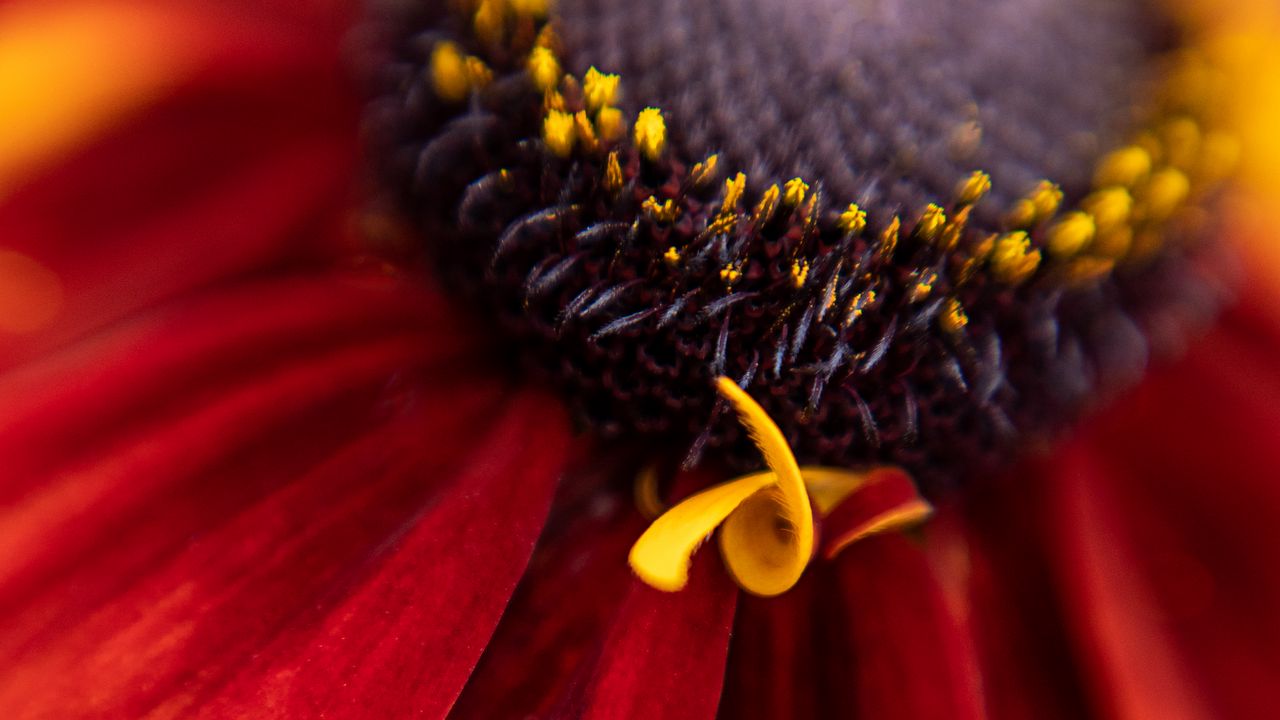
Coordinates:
<point>257,465</point>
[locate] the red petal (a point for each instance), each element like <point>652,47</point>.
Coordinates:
<point>244,164</point>
<point>773,661</point>
<point>286,498</point>
<point>585,638</point>
<point>665,650</point>
<point>889,495</point>
<point>1168,524</point>
<point>911,657</point>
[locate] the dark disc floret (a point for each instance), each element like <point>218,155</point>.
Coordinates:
<point>925,233</point>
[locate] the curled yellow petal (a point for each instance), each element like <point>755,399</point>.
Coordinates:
<point>662,554</point>
<point>768,542</point>
<point>829,486</point>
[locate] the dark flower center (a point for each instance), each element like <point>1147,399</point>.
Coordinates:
<point>919,233</point>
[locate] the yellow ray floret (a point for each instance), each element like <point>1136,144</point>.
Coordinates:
<point>767,532</point>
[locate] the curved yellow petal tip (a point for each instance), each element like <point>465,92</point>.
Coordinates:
<point>662,555</point>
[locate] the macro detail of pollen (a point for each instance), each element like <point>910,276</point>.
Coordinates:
<point>886,102</point>
<point>923,234</point>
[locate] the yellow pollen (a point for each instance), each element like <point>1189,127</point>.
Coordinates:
<point>931,222</point>
<point>974,188</point>
<point>490,21</point>
<point>853,220</point>
<point>796,189</point>
<point>1071,234</point>
<point>704,171</point>
<point>544,69</point>
<point>799,273</point>
<point>664,212</point>
<point>858,304</point>
<point>733,189</point>
<point>478,74</point>
<point>1181,140</point>
<point>559,131</point>
<point>1110,208</point>
<point>729,274</point>
<point>889,238</point>
<point>536,9</point>
<point>449,74</point>
<point>1046,198</point>
<point>1013,259</point>
<point>651,133</point>
<point>1167,190</point>
<point>1087,269</point>
<point>1125,167</point>
<point>766,519</point>
<point>585,132</point>
<point>953,318</point>
<point>612,173</point>
<point>672,256</point>
<point>767,206</point>
<point>923,287</point>
<point>609,124</point>
<point>599,89</point>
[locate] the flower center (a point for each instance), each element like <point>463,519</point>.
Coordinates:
<point>920,234</point>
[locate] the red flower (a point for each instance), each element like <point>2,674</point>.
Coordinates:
<point>250,470</point>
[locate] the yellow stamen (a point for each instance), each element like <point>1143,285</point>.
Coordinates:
<point>953,318</point>
<point>931,222</point>
<point>923,287</point>
<point>799,273</point>
<point>664,212</point>
<point>1125,167</point>
<point>767,206</point>
<point>559,131</point>
<point>858,304</point>
<point>449,74</point>
<point>974,188</point>
<point>672,256</point>
<point>733,189</point>
<point>585,133</point>
<point>651,133</point>
<point>704,171</point>
<point>1071,234</point>
<point>490,21</point>
<point>1110,208</point>
<point>609,123</point>
<point>853,220</point>
<point>599,89</point>
<point>612,173</point>
<point>544,69</point>
<point>730,274</point>
<point>796,189</point>
<point>889,238</point>
<point>1165,193</point>
<point>1013,259</point>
